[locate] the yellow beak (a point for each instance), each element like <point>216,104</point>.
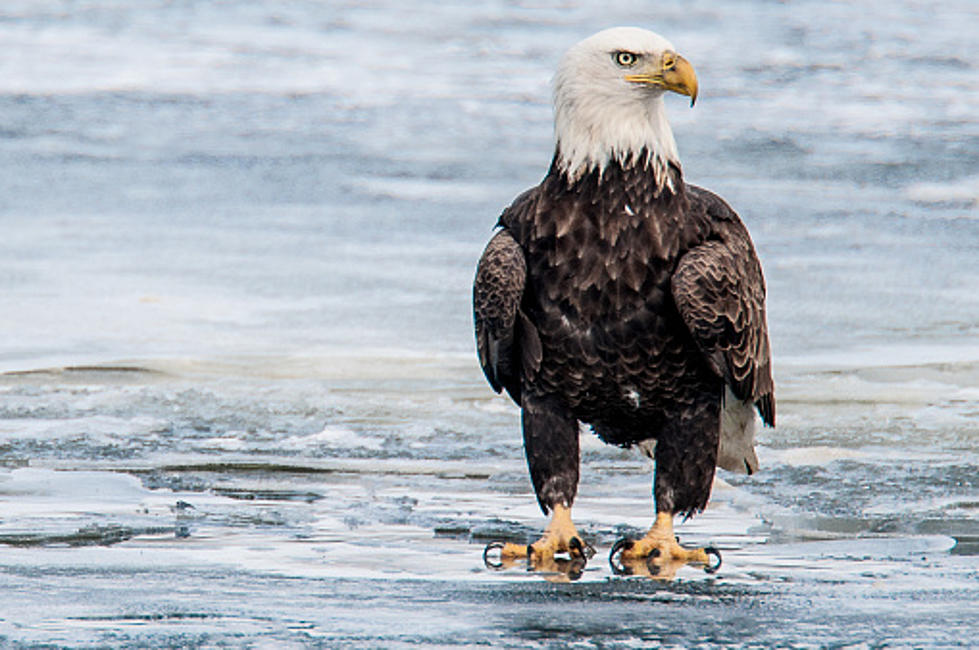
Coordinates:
<point>672,72</point>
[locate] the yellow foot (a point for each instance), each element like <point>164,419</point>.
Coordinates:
<point>658,555</point>
<point>561,536</point>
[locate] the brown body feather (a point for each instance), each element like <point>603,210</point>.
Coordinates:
<point>606,301</point>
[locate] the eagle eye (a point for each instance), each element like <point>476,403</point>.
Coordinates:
<point>626,59</point>
<point>669,60</point>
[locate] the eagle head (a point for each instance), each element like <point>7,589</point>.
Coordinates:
<point>608,101</point>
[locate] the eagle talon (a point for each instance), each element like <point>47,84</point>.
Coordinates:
<point>619,568</point>
<point>659,555</point>
<point>559,555</point>
<point>712,568</point>
<point>496,565</point>
<point>581,549</point>
<point>509,555</point>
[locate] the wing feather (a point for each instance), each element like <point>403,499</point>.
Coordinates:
<point>719,290</point>
<point>500,327</point>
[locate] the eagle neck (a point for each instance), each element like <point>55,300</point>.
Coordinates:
<point>597,132</point>
<point>641,171</point>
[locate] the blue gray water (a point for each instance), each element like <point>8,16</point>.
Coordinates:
<point>240,403</point>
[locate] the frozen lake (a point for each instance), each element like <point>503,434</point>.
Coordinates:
<point>240,403</point>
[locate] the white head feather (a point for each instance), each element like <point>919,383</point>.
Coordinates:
<point>599,116</point>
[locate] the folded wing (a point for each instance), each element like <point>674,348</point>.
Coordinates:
<point>506,341</point>
<point>719,290</point>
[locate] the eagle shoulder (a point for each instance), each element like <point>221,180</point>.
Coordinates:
<point>719,289</point>
<point>520,210</point>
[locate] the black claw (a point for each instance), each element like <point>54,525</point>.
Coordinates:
<point>490,564</point>
<point>619,569</point>
<point>654,553</point>
<point>712,568</point>
<point>581,549</point>
<point>623,544</point>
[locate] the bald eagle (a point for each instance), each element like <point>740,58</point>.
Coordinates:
<point>617,295</point>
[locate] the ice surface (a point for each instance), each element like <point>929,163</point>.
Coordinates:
<point>240,402</point>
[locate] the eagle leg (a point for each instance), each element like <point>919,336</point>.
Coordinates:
<point>550,437</point>
<point>659,555</point>
<point>551,443</point>
<point>685,459</point>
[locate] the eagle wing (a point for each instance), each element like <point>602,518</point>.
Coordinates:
<point>719,290</point>
<point>505,339</point>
